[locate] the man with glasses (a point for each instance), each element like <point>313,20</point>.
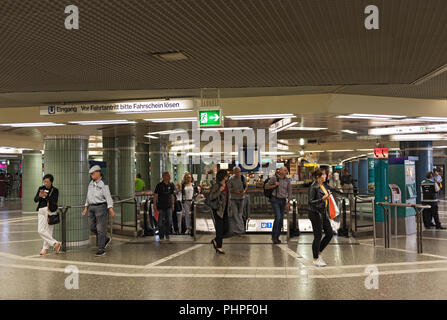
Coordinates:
<point>98,202</point>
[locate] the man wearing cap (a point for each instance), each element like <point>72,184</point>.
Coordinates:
<point>98,202</point>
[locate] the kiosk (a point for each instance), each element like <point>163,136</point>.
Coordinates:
<point>402,173</point>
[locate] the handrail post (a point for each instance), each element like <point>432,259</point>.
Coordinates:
<point>122,216</point>
<point>193,220</point>
<point>374,220</point>
<point>136,217</point>
<point>64,228</point>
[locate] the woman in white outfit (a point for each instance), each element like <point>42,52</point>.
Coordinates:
<point>189,191</point>
<point>47,197</point>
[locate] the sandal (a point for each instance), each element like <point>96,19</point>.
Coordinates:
<point>57,247</point>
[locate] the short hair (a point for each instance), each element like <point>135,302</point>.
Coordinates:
<point>139,175</point>
<point>429,175</point>
<point>49,177</point>
<point>221,174</point>
<point>165,173</point>
<point>318,173</point>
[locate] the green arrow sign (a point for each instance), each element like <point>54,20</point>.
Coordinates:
<point>210,118</point>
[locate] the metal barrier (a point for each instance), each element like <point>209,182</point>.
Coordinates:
<point>64,209</point>
<point>358,199</point>
<point>387,225</point>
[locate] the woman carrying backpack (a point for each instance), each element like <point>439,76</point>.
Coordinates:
<point>218,197</point>
<point>47,197</point>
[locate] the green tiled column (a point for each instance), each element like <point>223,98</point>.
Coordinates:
<point>126,175</point>
<point>142,156</point>
<point>110,156</point>
<point>158,155</point>
<point>31,178</point>
<point>66,158</point>
<point>14,170</point>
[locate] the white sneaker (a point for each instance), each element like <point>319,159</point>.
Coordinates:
<point>317,263</point>
<point>322,262</point>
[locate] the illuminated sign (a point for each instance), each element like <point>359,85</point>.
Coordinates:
<point>380,153</point>
<point>121,107</point>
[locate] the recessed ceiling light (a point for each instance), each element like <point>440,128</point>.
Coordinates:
<point>225,129</point>
<point>151,137</point>
<point>305,129</point>
<point>349,131</point>
<point>101,122</point>
<point>370,116</point>
<point>161,120</point>
<point>418,137</point>
<point>32,124</point>
<point>170,56</point>
<point>432,119</point>
<point>262,116</point>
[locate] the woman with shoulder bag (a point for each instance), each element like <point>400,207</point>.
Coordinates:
<point>47,197</point>
<point>219,196</point>
<point>319,195</point>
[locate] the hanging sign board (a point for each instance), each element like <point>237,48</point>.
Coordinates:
<point>121,107</point>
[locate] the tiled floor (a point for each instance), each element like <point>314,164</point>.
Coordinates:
<point>252,267</point>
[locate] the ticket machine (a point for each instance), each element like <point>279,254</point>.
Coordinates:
<point>395,194</point>
<point>402,172</point>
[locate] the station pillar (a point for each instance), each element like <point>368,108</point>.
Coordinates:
<point>363,176</point>
<point>355,173</point>
<point>424,151</point>
<point>158,157</point>
<point>14,170</point>
<point>142,156</point>
<point>110,156</point>
<point>31,178</point>
<point>126,175</point>
<point>381,192</point>
<point>66,158</point>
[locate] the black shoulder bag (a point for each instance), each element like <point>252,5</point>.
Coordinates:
<point>53,217</point>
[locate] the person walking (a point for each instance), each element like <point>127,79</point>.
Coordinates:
<point>347,183</point>
<point>189,192</point>
<point>237,187</point>
<point>47,197</point>
<point>429,194</point>
<point>164,204</point>
<point>98,203</point>
<point>280,200</point>
<point>318,205</point>
<point>219,194</point>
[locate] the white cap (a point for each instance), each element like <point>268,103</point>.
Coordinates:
<point>94,168</point>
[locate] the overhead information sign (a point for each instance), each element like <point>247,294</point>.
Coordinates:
<point>122,107</point>
<point>408,129</point>
<point>210,118</point>
<point>380,153</point>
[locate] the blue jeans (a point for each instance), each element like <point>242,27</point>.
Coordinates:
<point>279,207</point>
<point>164,222</point>
<point>97,218</point>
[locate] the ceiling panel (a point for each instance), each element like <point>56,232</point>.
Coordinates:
<point>230,44</point>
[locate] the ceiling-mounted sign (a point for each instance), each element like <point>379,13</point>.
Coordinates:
<point>210,118</point>
<point>121,107</point>
<point>408,129</point>
<point>380,153</point>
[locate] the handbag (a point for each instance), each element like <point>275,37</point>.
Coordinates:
<point>53,216</point>
<point>178,206</point>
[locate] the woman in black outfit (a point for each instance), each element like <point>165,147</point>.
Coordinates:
<point>318,204</point>
<point>47,197</point>
<point>219,194</point>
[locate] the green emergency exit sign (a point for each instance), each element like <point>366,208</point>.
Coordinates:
<point>210,118</point>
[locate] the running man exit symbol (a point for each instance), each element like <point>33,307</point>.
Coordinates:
<point>210,118</point>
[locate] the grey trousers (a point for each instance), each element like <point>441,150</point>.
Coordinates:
<point>237,225</point>
<point>97,219</point>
